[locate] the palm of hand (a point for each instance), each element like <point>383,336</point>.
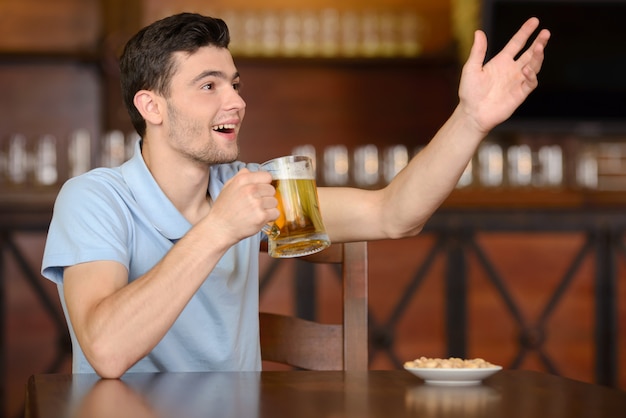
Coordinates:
<point>490,93</point>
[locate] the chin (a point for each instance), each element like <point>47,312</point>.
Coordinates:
<point>223,158</point>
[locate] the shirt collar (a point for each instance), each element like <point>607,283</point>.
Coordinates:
<point>156,206</point>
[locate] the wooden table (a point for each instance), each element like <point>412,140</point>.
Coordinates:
<point>371,394</point>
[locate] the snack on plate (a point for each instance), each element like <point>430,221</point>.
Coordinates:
<point>449,363</point>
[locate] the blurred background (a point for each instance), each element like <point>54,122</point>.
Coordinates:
<point>524,265</point>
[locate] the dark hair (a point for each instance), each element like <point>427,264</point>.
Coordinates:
<point>146,63</point>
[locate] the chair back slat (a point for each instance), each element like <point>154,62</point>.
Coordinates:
<point>314,346</point>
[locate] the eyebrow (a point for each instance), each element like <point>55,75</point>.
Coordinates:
<point>213,73</point>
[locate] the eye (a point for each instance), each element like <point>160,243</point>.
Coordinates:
<point>208,86</point>
<point>237,86</point>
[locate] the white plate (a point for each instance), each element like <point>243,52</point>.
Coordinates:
<point>453,377</point>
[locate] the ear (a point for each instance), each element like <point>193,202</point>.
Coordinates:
<point>148,104</point>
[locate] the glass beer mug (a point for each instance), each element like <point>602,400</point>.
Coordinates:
<point>299,229</point>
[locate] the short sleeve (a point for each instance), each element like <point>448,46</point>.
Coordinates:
<point>90,223</point>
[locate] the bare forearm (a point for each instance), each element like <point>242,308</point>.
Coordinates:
<point>431,176</point>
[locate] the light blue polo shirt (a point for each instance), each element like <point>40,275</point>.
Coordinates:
<point>121,214</point>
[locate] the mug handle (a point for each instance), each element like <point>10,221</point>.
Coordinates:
<point>271,230</point>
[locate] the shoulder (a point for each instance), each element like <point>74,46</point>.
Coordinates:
<point>92,189</point>
<point>98,178</point>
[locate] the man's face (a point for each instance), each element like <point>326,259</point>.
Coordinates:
<point>204,108</point>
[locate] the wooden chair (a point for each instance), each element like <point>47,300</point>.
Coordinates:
<point>310,345</point>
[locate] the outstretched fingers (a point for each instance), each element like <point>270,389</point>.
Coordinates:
<point>533,56</point>
<point>532,60</point>
<point>517,43</point>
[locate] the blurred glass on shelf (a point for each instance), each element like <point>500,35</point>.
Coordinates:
<point>520,165</point>
<point>310,34</point>
<point>270,33</point>
<point>611,165</point>
<point>18,164</point>
<point>366,166</point>
<point>350,39</point>
<point>395,158</point>
<point>490,164</point>
<point>336,165</point>
<point>389,36</point>
<point>370,34</point>
<point>79,152</point>
<point>551,162</point>
<point>46,171</point>
<point>329,32</point>
<point>113,149</point>
<point>251,33</point>
<point>412,31</point>
<point>235,22</point>
<point>587,168</point>
<point>291,37</point>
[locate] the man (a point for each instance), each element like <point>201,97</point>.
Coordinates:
<point>156,261</point>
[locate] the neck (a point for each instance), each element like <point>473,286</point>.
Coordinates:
<point>184,182</point>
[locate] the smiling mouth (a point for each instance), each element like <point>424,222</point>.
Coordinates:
<point>225,129</point>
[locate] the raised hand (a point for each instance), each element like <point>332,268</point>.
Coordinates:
<point>489,93</point>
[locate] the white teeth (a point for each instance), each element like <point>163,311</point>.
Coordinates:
<point>226,126</point>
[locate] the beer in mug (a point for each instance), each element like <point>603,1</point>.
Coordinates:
<point>299,229</point>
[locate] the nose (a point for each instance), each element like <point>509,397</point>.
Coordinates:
<point>235,101</point>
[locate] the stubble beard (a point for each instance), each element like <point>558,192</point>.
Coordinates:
<point>185,132</point>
